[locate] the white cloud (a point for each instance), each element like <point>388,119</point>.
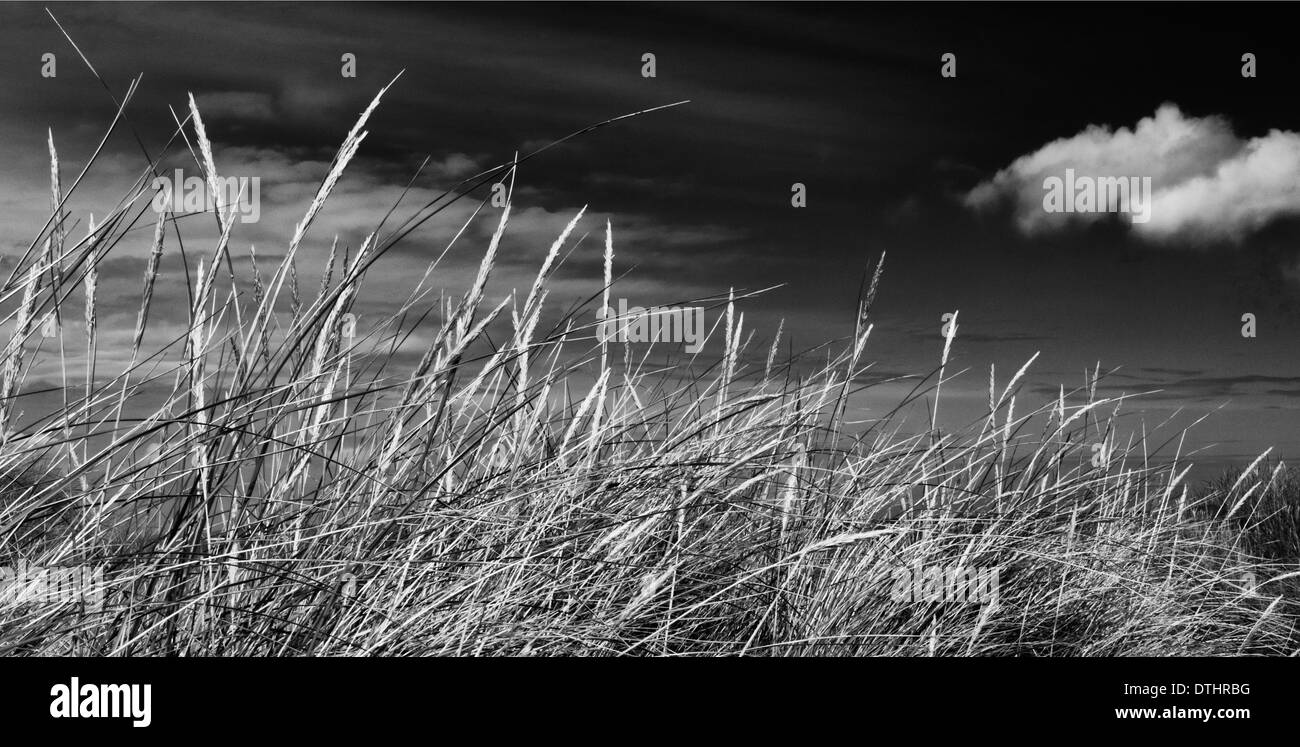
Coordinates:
<point>1208,184</point>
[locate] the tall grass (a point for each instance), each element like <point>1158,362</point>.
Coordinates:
<point>298,491</point>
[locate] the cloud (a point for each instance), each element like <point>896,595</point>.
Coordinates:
<point>243,105</point>
<point>1202,389</point>
<point>456,165</point>
<point>1207,184</point>
<point>931,334</point>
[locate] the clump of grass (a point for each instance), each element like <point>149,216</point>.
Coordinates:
<point>1258,512</point>
<point>298,492</point>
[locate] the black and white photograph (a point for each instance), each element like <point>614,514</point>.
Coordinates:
<point>452,330</point>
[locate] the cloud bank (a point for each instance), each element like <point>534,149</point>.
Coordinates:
<point>1208,184</point>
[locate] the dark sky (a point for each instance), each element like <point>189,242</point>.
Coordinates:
<point>844,98</point>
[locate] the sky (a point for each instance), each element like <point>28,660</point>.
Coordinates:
<point>945,174</point>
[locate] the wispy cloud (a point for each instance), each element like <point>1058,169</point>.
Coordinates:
<point>242,105</point>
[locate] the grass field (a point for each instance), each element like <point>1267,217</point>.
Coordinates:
<point>534,491</point>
